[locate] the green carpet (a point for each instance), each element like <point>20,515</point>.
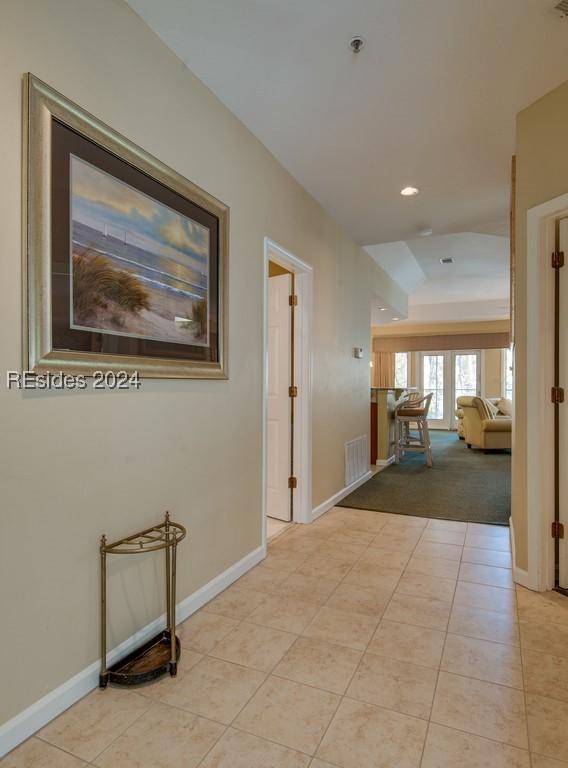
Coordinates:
<point>462,485</point>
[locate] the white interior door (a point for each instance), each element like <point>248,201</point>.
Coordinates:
<point>563,419</point>
<point>278,426</point>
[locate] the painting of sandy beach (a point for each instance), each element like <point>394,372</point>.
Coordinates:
<point>138,267</point>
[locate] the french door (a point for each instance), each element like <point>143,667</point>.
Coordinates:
<point>448,375</point>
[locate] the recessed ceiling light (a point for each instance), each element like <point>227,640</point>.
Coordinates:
<point>383,309</point>
<point>409,191</point>
<point>396,318</point>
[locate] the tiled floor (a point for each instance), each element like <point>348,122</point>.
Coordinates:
<point>365,640</point>
<point>275,527</point>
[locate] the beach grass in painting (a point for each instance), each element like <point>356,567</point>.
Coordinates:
<point>138,267</point>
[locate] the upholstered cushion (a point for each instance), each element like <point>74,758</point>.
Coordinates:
<point>411,411</point>
<point>491,407</point>
<point>496,425</point>
<point>505,406</point>
<point>466,401</point>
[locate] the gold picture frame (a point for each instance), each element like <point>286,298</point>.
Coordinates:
<point>45,111</point>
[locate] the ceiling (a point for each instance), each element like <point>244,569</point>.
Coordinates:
<point>474,287</point>
<point>430,101</point>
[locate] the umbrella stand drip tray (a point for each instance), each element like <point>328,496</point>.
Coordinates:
<point>146,663</point>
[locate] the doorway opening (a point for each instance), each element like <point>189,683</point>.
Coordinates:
<point>286,390</point>
<point>469,426</point>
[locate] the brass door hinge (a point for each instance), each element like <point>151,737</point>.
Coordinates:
<point>293,300</point>
<point>557,530</point>
<point>557,395</point>
<point>557,259</point>
<point>292,391</point>
<point>292,482</point>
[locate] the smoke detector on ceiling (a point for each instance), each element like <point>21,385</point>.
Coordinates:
<point>357,43</point>
<point>562,8</point>
<point>447,260</point>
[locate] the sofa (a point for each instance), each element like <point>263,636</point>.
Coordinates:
<point>484,423</point>
<point>459,414</point>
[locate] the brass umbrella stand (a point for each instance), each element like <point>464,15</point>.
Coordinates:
<point>160,654</point>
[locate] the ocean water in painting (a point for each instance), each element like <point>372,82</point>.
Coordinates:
<point>139,268</point>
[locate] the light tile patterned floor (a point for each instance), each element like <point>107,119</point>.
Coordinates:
<point>365,640</point>
<point>275,527</point>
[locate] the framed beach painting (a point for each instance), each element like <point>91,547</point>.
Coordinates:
<point>125,259</point>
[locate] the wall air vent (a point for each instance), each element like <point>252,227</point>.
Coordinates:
<point>447,260</point>
<point>562,8</point>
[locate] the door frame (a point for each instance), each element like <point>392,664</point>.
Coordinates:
<point>538,375</point>
<point>303,275</point>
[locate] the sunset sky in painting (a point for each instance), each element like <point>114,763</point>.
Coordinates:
<point>99,199</point>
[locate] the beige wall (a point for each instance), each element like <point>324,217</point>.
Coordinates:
<point>74,465</point>
<point>492,373</point>
<point>542,174</point>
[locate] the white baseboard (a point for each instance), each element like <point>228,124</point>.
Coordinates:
<point>522,577</point>
<point>26,723</point>
<point>385,462</point>
<point>333,500</point>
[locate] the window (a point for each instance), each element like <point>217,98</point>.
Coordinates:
<point>401,369</point>
<point>508,373</point>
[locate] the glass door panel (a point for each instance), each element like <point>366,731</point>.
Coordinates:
<point>433,381</point>
<point>401,369</point>
<point>466,381</point>
<point>466,374</point>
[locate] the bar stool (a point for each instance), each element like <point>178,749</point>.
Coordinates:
<point>408,398</point>
<point>412,411</point>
